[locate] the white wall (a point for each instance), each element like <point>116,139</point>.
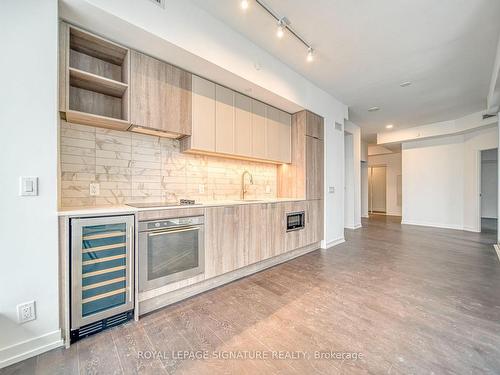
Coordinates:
<point>352,166</point>
<point>393,170</point>
<point>441,179</point>
<point>200,34</point>
<point>364,189</point>
<point>489,184</point>
<point>28,225</point>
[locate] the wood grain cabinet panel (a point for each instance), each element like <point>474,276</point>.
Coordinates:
<point>224,120</point>
<point>161,95</point>
<point>258,129</point>
<point>276,229</point>
<point>285,141</point>
<point>242,125</point>
<point>273,133</point>
<point>314,168</point>
<point>254,232</point>
<point>314,125</point>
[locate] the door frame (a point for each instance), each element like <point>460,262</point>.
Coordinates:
<point>370,189</point>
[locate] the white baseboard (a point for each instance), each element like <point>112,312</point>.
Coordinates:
<point>497,249</point>
<point>329,244</point>
<point>434,225</point>
<point>470,229</point>
<point>30,348</point>
<point>365,216</point>
<point>356,226</point>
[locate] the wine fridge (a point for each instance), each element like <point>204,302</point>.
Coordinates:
<point>102,273</point>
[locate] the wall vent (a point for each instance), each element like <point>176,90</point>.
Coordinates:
<point>338,126</point>
<point>160,3</point>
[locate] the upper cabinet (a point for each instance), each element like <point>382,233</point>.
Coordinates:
<point>93,79</point>
<point>228,123</point>
<point>160,97</point>
<point>314,125</point>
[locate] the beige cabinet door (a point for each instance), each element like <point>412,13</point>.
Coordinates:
<point>224,120</point>
<point>160,95</point>
<point>276,229</point>
<point>285,137</point>
<point>223,240</point>
<point>258,130</point>
<point>273,134</point>
<point>203,133</point>
<point>254,232</point>
<point>314,125</point>
<point>314,168</point>
<point>242,125</point>
<point>314,221</point>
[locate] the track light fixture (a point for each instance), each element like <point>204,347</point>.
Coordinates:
<point>283,25</point>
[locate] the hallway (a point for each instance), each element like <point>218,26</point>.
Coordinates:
<point>409,299</point>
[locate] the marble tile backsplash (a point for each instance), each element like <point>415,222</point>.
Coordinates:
<point>131,167</point>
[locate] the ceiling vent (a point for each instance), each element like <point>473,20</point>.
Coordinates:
<point>160,3</point>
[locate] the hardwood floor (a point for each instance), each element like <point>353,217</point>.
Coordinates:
<point>409,299</point>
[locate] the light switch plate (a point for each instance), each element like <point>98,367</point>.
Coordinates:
<point>28,186</point>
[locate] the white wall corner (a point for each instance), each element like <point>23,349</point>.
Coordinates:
<point>332,243</point>
<point>30,348</point>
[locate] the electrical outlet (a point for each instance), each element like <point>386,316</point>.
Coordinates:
<point>26,312</point>
<point>94,189</point>
<point>201,188</point>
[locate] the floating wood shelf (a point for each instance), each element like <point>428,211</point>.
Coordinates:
<point>96,120</point>
<point>93,82</point>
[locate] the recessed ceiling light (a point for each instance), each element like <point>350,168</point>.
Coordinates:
<point>244,4</point>
<point>405,84</point>
<point>389,126</point>
<point>373,109</point>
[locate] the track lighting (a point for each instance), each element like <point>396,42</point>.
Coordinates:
<point>310,54</point>
<point>281,29</point>
<point>244,4</point>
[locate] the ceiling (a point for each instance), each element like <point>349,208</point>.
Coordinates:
<point>366,48</point>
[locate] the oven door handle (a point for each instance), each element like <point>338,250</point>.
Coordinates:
<point>152,234</point>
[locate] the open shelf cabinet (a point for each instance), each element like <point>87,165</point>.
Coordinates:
<point>94,83</point>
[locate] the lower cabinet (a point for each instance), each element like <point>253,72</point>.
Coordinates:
<point>236,236</point>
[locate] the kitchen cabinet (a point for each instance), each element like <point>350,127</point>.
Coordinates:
<point>314,221</point>
<point>276,229</point>
<point>258,129</point>
<point>202,137</point>
<point>278,132</point>
<point>242,125</point>
<point>160,97</point>
<point>223,240</point>
<point>314,168</point>
<point>254,231</point>
<point>314,125</point>
<point>224,120</point>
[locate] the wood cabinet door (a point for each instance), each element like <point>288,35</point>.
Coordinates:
<point>314,168</point>
<point>314,221</point>
<point>224,120</point>
<point>258,129</point>
<point>242,125</point>
<point>285,137</point>
<point>314,125</point>
<point>276,229</point>
<point>223,240</point>
<point>203,105</point>
<point>160,95</point>
<point>273,134</point>
<point>254,232</point>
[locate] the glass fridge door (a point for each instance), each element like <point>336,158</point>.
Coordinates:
<point>101,269</point>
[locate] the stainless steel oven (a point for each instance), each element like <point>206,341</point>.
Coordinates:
<point>170,250</point>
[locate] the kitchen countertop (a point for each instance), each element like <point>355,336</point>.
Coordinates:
<point>124,209</point>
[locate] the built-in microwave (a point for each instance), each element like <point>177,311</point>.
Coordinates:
<point>295,220</point>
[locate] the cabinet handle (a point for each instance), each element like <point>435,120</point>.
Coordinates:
<point>130,269</point>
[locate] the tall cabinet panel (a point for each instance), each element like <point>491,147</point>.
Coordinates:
<point>258,129</point>
<point>101,270</point>
<point>203,137</point>
<point>242,125</point>
<point>161,96</point>
<point>224,120</point>
<point>314,168</point>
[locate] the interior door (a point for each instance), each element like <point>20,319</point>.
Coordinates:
<point>377,189</point>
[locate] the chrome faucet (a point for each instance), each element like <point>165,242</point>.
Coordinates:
<point>243,188</point>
